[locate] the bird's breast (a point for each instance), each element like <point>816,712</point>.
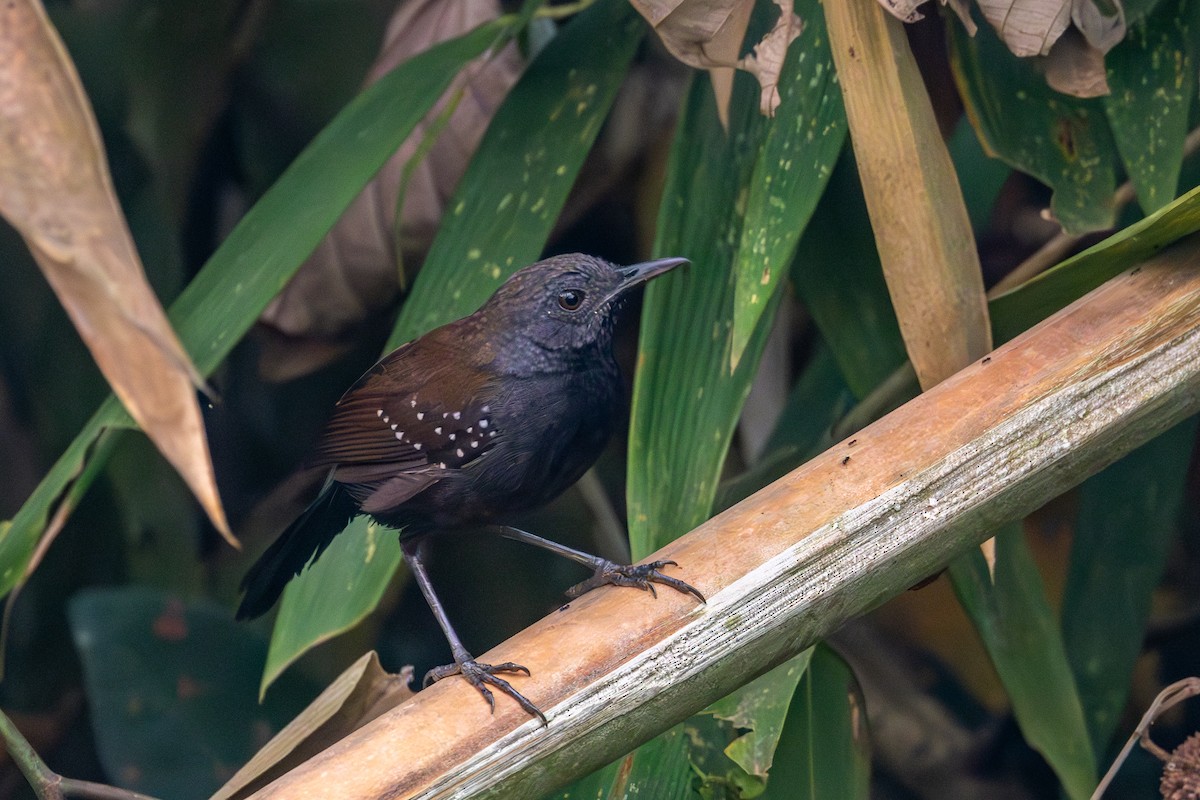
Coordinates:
<point>549,431</point>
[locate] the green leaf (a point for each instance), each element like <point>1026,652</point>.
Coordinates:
<point>819,399</point>
<point>1062,141</point>
<point>263,251</point>
<point>171,690</point>
<point>1152,78</point>
<point>1128,518</point>
<point>824,751</point>
<point>498,221</point>
<point>686,397</point>
<point>336,593</point>
<point>1021,635</point>
<point>790,174</point>
<point>838,275</point>
<point>760,708</point>
<point>1037,299</point>
<point>658,769</point>
<point>599,785</point>
<point>720,778</point>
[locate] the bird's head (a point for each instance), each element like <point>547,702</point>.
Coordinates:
<point>566,304</point>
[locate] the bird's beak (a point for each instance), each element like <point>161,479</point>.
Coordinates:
<point>640,273</point>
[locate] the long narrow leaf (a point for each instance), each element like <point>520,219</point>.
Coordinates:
<point>1127,523</point>
<point>823,751</point>
<point>1022,637</point>
<point>790,174</point>
<point>58,193</point>
<point>1037,299</point>
<point>918,216</point>
<point>686,399</point>
<point>695,363</point>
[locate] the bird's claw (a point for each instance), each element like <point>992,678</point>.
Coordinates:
<point>639,576</point>
<point>481,676</point>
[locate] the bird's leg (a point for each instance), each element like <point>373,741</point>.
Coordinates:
<point>640,576</point>
<point>477,674</point>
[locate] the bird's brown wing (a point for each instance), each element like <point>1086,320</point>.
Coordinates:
<point>413,416</point>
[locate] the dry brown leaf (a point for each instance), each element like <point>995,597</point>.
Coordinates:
<point>58,194</point>
<point>724,47</point>
<point>698,33</point>
<point>1102,30</point>
<point>765,62</point>
<point>1031,27</point>
<point>354,272</point>
<point>357,696</point>
<point>1028,27</point>
<point>1075,67</point>
<point>1034,27</point>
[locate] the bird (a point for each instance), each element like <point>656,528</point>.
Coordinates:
<point>470,424</point>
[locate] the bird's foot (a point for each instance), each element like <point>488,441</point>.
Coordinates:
<point>639,576</point>
<point>483,675</point>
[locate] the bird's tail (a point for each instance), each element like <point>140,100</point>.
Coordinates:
<point>302,542</point>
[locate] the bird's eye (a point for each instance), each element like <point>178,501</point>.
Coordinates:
<point>570,299</point>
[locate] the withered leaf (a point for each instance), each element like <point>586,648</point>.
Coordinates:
<point>1035,27</point>
<point>355,273</point>
<point>1075,67</point>
<point>360,694</point>
<point>57,192</point>
<point>699,33</point>
<point>1028,27</point>
<point>1031,27</point>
